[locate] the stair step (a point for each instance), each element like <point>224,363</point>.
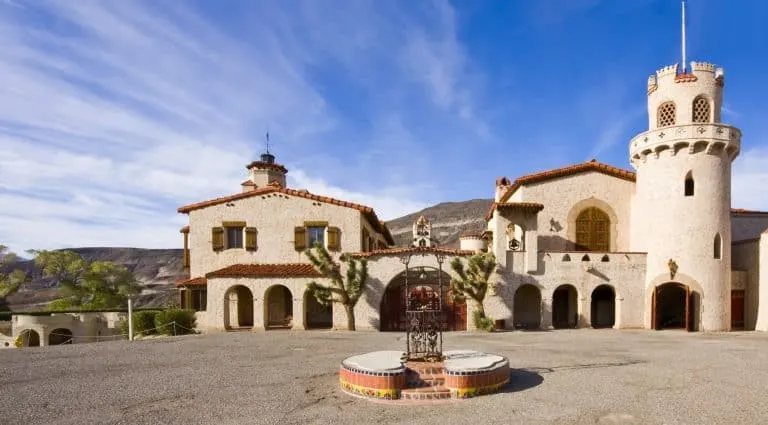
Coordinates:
<point>426,393</point>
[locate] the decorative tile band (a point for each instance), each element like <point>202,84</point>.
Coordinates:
<point>384,394</point>
<point>474,392</point>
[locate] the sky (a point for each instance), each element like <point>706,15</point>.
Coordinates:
<point>115,113</point>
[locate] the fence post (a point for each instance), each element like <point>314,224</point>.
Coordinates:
<point>130,320</point>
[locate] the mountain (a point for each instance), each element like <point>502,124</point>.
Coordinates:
<point>158,269</point>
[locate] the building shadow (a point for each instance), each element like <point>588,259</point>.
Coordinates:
<point>521,380</point>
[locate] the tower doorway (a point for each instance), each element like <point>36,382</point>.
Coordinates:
<point>565,312</point>
<point>674,307</point>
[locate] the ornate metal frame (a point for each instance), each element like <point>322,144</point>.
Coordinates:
<point>425,319</point>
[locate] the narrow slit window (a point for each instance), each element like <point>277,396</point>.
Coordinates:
<point>718,248</point>
<point>689,184</point>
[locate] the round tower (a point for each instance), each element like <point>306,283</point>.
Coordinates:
<point>682,204</point>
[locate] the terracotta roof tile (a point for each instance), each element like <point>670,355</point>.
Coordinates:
<point>184,229</point>
<point>570,170</point>
<point>525,206</point>
<point>411,250</point>
<point>685,78</point>
<point>743,211</point>
<point>195,281</point>
<point>267,165</point>
<point>266,270</point>
<point>367,212</point>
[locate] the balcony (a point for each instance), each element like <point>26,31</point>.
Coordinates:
<point>707,136</point>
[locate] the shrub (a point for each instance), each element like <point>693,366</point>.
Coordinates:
<point>179,321</point>
<point>5,315</point>
<point>482,322</point>
<point>144,322</point>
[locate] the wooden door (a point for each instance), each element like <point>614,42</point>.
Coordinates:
<point>737,309</point>
<point>593,230</point>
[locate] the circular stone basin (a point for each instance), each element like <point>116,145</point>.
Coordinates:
<point>386,375</point>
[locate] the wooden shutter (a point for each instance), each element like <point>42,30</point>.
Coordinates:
<point>300,238</point>
<point>250,238</point>
<point>334,243</point>
<point>217,238</point>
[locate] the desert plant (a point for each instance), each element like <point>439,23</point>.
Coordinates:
<point>175,321</point>
<point>473,282</point>
<point>345,290</point>
<point>10,282</point>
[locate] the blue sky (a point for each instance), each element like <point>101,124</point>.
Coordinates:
<point>114,113</point>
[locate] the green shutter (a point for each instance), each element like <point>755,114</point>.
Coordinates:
<point>300,238</point>
<point>334,242</point>
<point>250,238</point>
<point>217,238</point>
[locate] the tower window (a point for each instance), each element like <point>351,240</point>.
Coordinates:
<point>701,110</point>
<point>718,247</point>
<point>665,115</point>
<point>689,184</point>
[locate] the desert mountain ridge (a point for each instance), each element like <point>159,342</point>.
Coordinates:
<point>158,269</point>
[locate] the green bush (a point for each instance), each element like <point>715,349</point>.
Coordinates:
<point>123,326</point>
<point>179,321</point>
<point>144,322</point>
<point>5,315</point>
<point>482,322</point>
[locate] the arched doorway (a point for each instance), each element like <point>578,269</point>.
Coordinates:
<point>603,308</point>
<point>565,311</point>
<point>527,307</point>
<point>60,336</point>
<point>674,306</point>
<point>593,230</point>
<point>29,338</point>
<point>238,308</point>
<point>278,308</point>
<point>316,316</point>
<point>392,308</point>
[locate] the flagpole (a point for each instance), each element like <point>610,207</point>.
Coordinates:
<point>683,33</point>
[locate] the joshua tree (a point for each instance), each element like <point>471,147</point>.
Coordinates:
<point>344,290</point>
<point>472,282</point>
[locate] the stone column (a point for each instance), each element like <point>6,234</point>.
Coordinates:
<point>546,313</point>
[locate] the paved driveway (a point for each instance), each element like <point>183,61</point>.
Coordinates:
<point>282,377</point>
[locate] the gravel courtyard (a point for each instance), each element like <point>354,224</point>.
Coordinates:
<point>282,377</point>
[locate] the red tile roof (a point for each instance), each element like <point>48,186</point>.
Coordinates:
<point>570,170</point>
<point>685,78</point>
<point>367,212</point>
<point>738,211</point>
<point>266,270</point>
<point>411,250</point>
<point>195,281</point>
<point>267,165</point>
<point>184,229</point>
<point>525,206</point>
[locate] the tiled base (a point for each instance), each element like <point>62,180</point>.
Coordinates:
<point>422,382</point>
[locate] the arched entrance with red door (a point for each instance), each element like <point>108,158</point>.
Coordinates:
<point>392,308</point>
<point>674,306</point>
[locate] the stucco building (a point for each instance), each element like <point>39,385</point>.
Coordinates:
<point>585,245</point>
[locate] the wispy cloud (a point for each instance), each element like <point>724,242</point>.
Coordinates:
<point>114,113</point>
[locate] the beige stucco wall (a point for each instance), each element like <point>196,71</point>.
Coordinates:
<point>565,197</point>
<point>274,216</point>
<point>85,327</point>
<point>746,267</point>
<point>761,323</point>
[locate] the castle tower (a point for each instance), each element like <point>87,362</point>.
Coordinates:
<point>422,233</point>
<point>682,205</point>
<point>265,171</point>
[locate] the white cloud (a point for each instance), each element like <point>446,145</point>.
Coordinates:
<point>750,180</point>
<point>129,109</point>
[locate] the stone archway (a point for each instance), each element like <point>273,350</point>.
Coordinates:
<point>565,309</point>
<point>316,316</point>
<point>238,308</point>
<point>526,310</point>
<point>674,306</point>
<point>603,307</point>
<point>30,338</point>
<point>278,308</point>
<point>60,336</point>
<point>392,307</point>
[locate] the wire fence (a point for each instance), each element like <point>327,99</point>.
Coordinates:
<point>176,327</point>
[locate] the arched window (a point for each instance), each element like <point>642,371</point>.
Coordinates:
<point>593,230</point>
<point>718,247</point>
<point>665,115</point>
<point>422,243</point>
<point>689,184</point>
<point>701,110</point>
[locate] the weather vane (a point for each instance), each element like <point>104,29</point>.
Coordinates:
<point>267,140</point>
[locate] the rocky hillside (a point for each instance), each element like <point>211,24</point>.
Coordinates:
<point>158,269</point>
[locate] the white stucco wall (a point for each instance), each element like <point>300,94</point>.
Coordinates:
<point>85,327</point>
<point>746,265</point>
<point>762,284</point>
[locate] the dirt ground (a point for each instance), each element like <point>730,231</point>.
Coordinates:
<point>283,377</point>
